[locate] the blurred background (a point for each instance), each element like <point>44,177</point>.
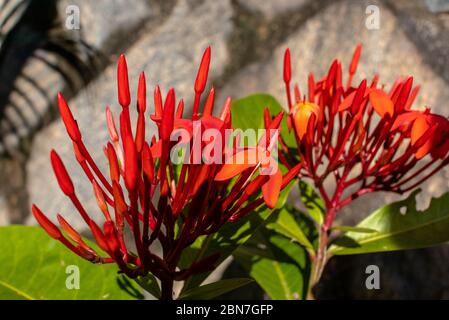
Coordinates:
<point>72,46</point>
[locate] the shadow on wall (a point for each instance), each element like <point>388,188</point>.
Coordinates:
<point>38,57</point>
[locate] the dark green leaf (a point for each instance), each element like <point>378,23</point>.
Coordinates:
<point>400,226</point>
<point>314,204</point>
<point>279,266</point>
<point>33,266</point>
<point>213,290</point>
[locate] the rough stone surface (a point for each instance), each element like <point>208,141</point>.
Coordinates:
<point>272,8</point>
<point>103,22</point>
<point>169,57</point>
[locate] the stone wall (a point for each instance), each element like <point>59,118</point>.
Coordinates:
<point>248,38</point>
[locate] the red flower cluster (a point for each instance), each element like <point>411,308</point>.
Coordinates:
<point>152,197</point>
<point>363,136</point>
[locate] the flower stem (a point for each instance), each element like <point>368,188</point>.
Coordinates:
<point>167,288</point>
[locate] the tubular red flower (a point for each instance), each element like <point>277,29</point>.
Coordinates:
<point>45,223</point>
<point>131,170</point>
<point>124,97</point>
<point>64,181</point>
<point>67,117</point>
<point>168,117</point>
<point>201,77</point>
<point>287,66</point>
<point>142,94</point>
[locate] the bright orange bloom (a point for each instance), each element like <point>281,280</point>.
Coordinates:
<point>364,135</point>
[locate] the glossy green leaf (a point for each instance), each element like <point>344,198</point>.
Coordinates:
<point>399,226</point>
<point>314,204</point>
<point>279,266</point>
<point>34,266</point>
<point>247,113</point>
<point>353,229</point>
<point>213,290</point>
<point>285,224</point>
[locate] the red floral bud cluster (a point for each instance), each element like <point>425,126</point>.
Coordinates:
<point>146,194</point>
<point>363,136</point>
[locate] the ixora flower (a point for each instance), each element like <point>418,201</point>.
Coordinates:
<point>151,197</point>
<point>365,137</point>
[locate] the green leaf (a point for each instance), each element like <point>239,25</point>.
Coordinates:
<point>227,239</point>
<point>399,226</point>
<point>285,224</point>
<point>149,283</point>
<point>314,204</point>
<point>353,229</point>
<point>280,267</point>
<point>33,266</point>
<point>213,290</point>
<point>247,113</point>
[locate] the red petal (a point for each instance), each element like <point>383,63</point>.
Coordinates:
<point>419,128</point>
<point>238,163</point>
<point>272,188</point>
<point>347,102</point>
<point>381,102</point>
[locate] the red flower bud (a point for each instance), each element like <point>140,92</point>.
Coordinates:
<point>131,171</point>
<point>111,125</point>
<point>355,59</point>
<point>64,181</point>
<point>45,223</point>
<point>287,66</point>
<point>201,77</point>
<point>168,116</point>
<point>67,117</point>
<point>142,94</point>
<point>208,107</point>
<point>122,81</point>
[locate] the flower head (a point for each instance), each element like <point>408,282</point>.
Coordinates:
<point>363,135</point>
<point>148,194</point>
